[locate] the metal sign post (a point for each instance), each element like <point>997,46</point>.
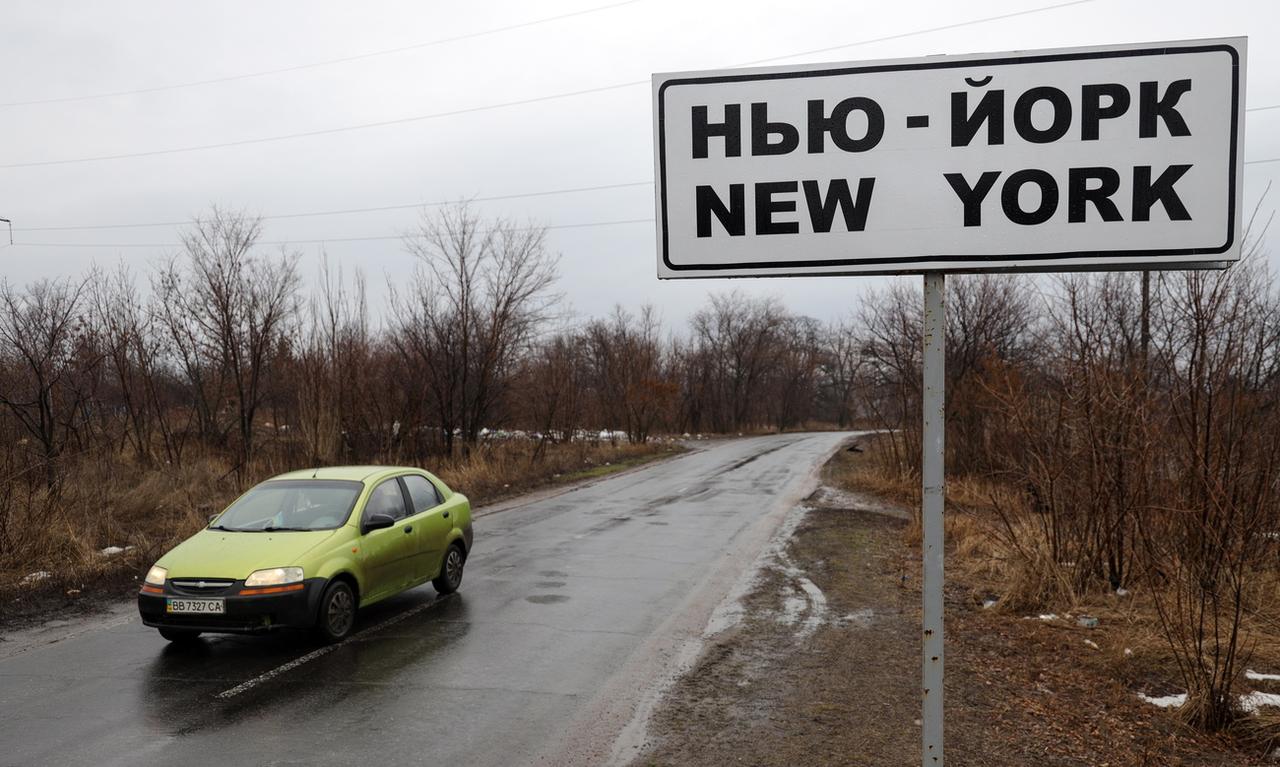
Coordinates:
<point>933,478</point>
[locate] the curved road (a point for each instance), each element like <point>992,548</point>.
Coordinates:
<point>574,610</point>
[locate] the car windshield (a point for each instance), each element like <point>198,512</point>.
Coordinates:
<point>291,504</point>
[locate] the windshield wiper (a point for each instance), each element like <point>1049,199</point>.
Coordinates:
<point>272,529</point>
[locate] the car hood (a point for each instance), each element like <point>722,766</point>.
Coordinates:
<point>224,554</point>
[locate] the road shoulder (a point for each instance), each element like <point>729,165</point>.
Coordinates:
<point>821,666</point>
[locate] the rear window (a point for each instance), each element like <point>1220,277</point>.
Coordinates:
<point>423,492</point>
<point>291,504</point>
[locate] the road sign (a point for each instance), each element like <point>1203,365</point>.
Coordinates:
<point>1116,157</point>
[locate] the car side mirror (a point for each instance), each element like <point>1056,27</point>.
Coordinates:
<point>378,522</point>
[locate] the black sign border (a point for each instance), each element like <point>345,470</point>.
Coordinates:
<point>1000,262</point>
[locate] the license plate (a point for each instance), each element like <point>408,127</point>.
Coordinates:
<point>195,606</point>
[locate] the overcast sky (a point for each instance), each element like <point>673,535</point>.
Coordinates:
<point>456,58</point>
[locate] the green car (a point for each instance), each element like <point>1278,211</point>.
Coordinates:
<point>306,549</point>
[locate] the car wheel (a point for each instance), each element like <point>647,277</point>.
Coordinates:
<point>337,612</point>
<point>180,636</point>
<point>450,577</point>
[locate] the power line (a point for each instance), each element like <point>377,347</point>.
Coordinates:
<point>322,132</point>
<point>322,240</point>
<point>380,208</point>
<point>901,35</point>
<point>324,63</point>
<point>485,107</point>
<point>372,238</point>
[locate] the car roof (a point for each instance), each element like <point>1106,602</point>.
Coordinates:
<point>356,473</point>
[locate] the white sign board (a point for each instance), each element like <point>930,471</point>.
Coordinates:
<point>1118,157</point>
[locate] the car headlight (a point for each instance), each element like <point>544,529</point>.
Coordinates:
<point>275,576</point>
<point>156,575</point>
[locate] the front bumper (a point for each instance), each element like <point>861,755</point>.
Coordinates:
<point>248,614</point>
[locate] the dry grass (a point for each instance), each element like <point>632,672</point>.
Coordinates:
<point>989,561</point>
<point>148,510</point>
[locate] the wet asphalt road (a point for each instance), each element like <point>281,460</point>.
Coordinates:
<point>559,597</point>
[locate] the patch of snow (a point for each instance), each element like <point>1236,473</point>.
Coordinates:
<point>111,551</point>
<point>792,608</point>
<point>1256,700</point>
<point>1250,702</point>
<point>815,601</point>
<point>730,610</point>
<point>1122,592</point>
<point>1127,652</point>
<point>1165,701</point>
<point>1254,675</point>
<point>987,604</point>
<point>1092,644</point>
<point>36,577</point>
<point>1042,617</point>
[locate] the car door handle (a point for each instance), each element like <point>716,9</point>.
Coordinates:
<point>408,529</point>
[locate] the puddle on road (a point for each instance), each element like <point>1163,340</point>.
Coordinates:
<point>546,599</point>
<point>549,584</point>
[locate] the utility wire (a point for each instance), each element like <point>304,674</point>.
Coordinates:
<point>383,208</point>
<point>902,35</point>
<point>357,210</point>
<point>324,63</point>
<point>323,240</point>
<point>488,107</point>
<point>308,214</point>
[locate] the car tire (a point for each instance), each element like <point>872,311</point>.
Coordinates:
<point>450,577</point>
<point>180,636</point>
<point>337,613</point>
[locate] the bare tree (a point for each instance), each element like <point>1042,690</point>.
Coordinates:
<point>227,313</point>
<point>840,366</point>
<point>480,295</point>
<point>628,371</point>
<point>737,339</point>
<point>554,381</point>
<point>41,355</point>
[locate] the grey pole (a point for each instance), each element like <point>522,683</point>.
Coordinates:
<point>933,479</point>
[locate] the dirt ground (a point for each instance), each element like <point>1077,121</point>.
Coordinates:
<point>823,669</point>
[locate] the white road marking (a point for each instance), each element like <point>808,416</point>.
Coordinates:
<point>291,665</point>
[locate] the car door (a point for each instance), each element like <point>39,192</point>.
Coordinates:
<point>431,523</point>
<point>387,553</point>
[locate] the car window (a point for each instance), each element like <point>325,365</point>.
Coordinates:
<point>311,504</point>
<point>422,492</point>
<point>387,499</point>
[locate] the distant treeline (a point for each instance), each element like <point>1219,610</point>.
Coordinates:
<point>221,348</point>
